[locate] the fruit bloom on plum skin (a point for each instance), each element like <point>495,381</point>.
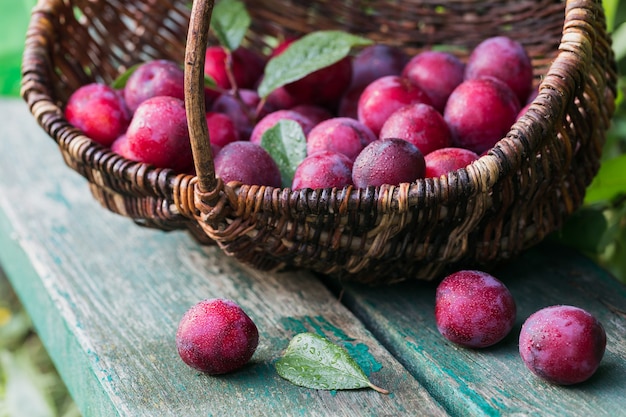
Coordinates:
<point>248,163</point>
<point>99,111</point>
<point>154,78</point>
<point>317,114</point>
<point>474,309</point>
<point>349,103</point>
<point>375,61</point>
<point>505,59</point>
<point>247,66</point>
<point>216,336</point>
<point>421,124</point>
<point>323,169</point>
<point>368,65</point>
<point>158,134</point>
<point>480,112</point>
<point>445,160</point>
<point>437,73</point>
<point>222,130</point>
<point>383,97</point>
<point>120,147</point>
<point>281,99</point>
<point>340,134</point>
<point>241,110</point>
<point>388,161</point>
<point>562,344</point>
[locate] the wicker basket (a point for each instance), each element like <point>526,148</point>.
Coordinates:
<point>507,201</point>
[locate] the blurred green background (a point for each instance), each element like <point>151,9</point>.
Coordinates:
<point>29,384</point>
<point>598,229</point>
<point>14,16</point>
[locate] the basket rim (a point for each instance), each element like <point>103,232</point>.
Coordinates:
<point>503,159</point>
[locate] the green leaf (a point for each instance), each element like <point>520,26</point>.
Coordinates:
<point>312,361</point>
<point>610,11</point>
<point>619,41</point>
<point>614,259</point>
<point>230,22</point>
<point>586,230</point>
<point>120,82</point>
<point>306,55</point>
<point>210,82</point>
<point>286,143</point>
<point>610,181</point>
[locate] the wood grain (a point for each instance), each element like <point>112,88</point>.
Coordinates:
<point>494,381</point>
<point>106,295</point>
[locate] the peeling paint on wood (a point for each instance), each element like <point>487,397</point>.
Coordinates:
<point>106,295</point>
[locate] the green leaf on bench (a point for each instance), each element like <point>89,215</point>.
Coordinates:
<point>312,361</point>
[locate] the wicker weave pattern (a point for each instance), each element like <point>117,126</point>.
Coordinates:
<point>504,203</point>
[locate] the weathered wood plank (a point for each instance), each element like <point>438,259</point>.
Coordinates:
<point>494,381</point>
<point>106,295</point>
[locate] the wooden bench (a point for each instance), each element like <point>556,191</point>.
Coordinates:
<point>106,295</point>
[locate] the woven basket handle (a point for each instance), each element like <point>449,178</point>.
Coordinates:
<point>195,51</point>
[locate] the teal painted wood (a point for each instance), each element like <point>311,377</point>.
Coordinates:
<point>494,381</point>
<point>106,296</point>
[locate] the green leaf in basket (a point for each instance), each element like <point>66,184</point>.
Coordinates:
<point>210,82</point>
<point>610,181</point>
<point>286,143</point>
<point>230,22</point>
<point>120,82</point>
<point>312,361</point>
<point>306,55</point>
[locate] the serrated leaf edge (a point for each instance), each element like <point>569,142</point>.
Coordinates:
<point>352,369</point>
<point>277,62</point>
<point>219,24</point>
